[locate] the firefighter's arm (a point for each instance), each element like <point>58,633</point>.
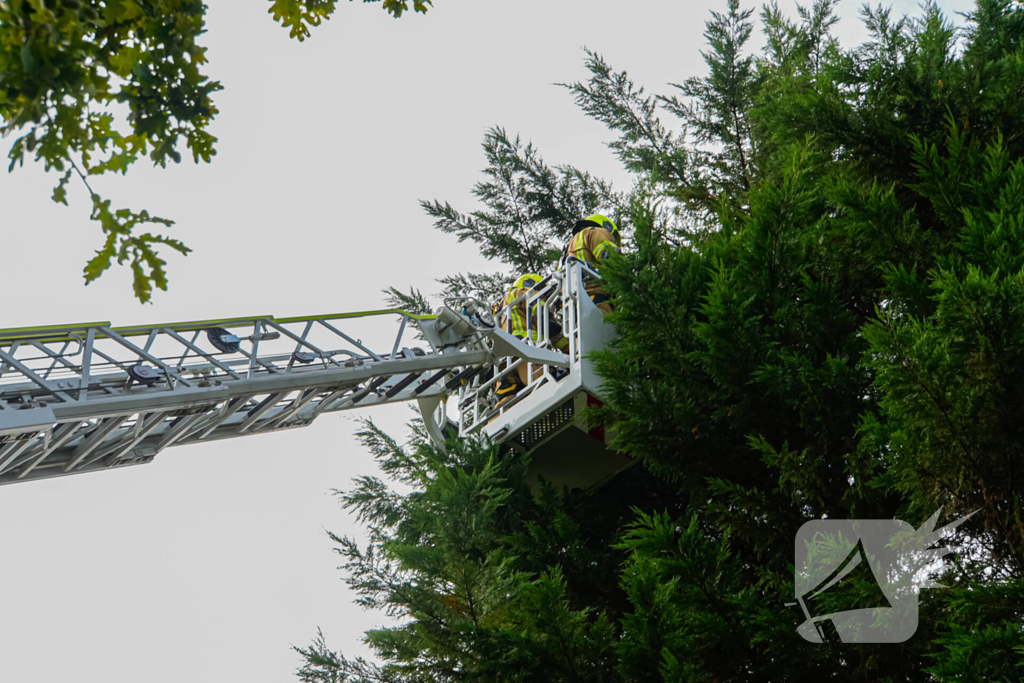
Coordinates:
<point>601,243</point>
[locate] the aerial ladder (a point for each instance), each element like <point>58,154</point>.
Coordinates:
<point>87,397</point>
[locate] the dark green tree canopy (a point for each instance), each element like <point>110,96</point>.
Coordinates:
<point>820,314</point>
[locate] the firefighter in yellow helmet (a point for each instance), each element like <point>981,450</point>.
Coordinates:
<point>594,239</point>
<point>515,319</point>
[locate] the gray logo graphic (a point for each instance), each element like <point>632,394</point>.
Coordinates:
<point>858,580</point>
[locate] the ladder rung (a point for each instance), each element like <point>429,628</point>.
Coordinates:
<point>409,379</point>
<point>433,380</point>
<point>464,375</point>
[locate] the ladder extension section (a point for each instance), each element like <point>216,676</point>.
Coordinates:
<point>80,398</point>
<point>87,397</point>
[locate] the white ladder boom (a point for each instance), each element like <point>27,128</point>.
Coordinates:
<point>87,397</point>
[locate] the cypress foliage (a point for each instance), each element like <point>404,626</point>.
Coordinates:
<point>821,314</point>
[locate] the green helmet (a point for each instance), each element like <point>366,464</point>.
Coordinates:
<point>527,281</point>
<point>599,221</point>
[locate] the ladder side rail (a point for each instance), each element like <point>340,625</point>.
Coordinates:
<point>88,367</point>
<point>4,365</point>
<point>114,416</point>
<point>154,422</point>
<point>300,342</point>
<point>57,357</point>
<point>140,439</point>
<point>28,373</point>
<point>109,360</point>
<point>356,343</point>
<point>191,346</point>
<point>43,361</point>
<point>169,375</point>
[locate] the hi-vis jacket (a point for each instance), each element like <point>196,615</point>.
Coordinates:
<point>591,245</point>
<point>514,320</point>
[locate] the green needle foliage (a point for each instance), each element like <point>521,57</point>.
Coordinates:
<point>528,212</point>
<point>67,65</point>
<point>820,315</point>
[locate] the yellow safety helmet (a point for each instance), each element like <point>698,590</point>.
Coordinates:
<point>527,281</point>
<point>599,221</point>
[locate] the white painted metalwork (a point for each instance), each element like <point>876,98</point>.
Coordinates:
<point>87,397</point>
<point>561,297</point>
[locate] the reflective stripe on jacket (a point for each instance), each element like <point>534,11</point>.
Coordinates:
<point>515,324</point>
<point>591,245</point>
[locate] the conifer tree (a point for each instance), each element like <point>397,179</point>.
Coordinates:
<point>821,315</point>
<point>528,212</point>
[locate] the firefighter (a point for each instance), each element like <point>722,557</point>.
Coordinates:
<point>594,238</point>
<point>517,321</point>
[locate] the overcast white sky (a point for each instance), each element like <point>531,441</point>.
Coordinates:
<point>207,564</point>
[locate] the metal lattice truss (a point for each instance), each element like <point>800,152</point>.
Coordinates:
<point>80,398</point>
